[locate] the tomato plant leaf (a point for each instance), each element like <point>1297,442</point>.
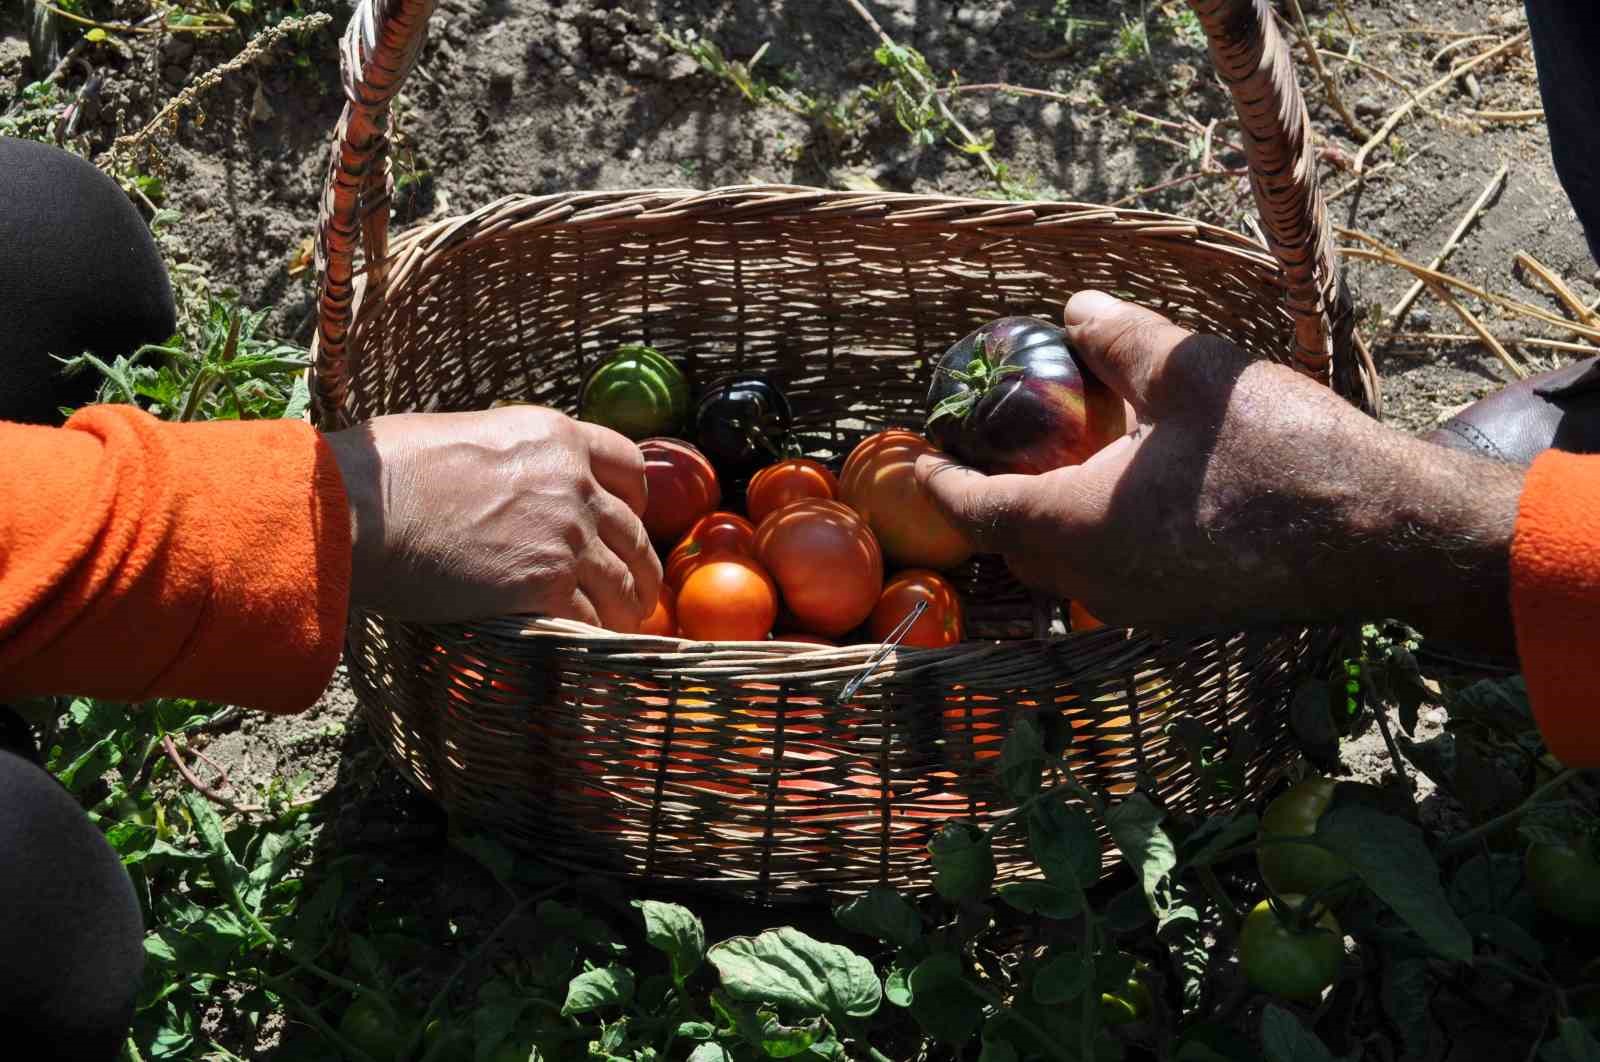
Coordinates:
<point>1502,703</point>
<point>1022,760</point>
<point>608,986</point>
<point>1574,1043</point>
<point>710,1053</point>
<point>1435,757</point>
<point>963,862</point>
<point>1061,979</point>
<point>1284,1039</point>
<point>1127,911</point>
<point>941,1001</point>
<point>1218,834</point>
<point>881,912</point>
<point>1392,860</point>
<point>785,1041</point>
<point>675,930</point>
<point>997,1051</point>
<point>790,969</point>
<point>1064,843</point>
<point>1135,826</point>
<point>1041,897</point>
<point>896,987</point>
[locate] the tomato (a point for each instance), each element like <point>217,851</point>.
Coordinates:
<point>713,534</point>
<point>788,481</point>
<point>663,619</point>
<point>825,561</point>
<point>938,627</point>
<point>1080,619</point>
<point>375,1027</point>
<point>683,487</point>
<point>1285,961</point>
<point>1299,868</point>
<point>730,599</point>
<point>1565,880</point>
<point>1132,1003</point>
<point>807,639</point>
<point>879,482</point>
<point>638,392</point>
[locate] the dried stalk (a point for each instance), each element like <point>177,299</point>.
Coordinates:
<point>200,787</point>
<point>1194,175</point>
<point>1466,315</point>
<point>1507,116</point>
<point>1584,313</point>
<point>1398,311</point>
<point>1406,108</point>
<point>1558,344</point>
<point>1309,43</point>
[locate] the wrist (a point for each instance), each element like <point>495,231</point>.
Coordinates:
<point>359,468</point>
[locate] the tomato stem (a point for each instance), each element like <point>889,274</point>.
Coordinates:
<point>1456,844</point>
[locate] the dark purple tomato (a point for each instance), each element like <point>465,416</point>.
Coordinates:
<point>1013,397</point>
<point>742,423</point>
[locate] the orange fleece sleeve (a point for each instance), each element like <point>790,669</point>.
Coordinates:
<point>145,559</point>
<point>1555,601</point>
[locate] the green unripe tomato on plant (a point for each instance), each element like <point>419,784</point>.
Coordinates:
<point>1565,880</point>
<point>638,392</point>
<point>1299,868</point>
<point>1279,958</point>
<point>1132,1003</point>
<point>375,1028</point>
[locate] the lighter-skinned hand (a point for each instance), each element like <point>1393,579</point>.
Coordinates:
<point>461,516</point>
<point>1245,493</point>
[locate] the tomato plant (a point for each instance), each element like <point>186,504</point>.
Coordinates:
<point>376,1028</point>
<point>879,482</point>
<point>713,534</point>
<point>682,484</point>
<point>790,480</point>
<point>825,561</point>
<point>638,392</point>
<point>1565,879</point>
<point>1290,866</point>
<point>729,599</point>
<point>939,625</point>
<point>1288,960</point>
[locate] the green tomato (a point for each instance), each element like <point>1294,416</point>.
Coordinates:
<point>1299,868</point>
<point>1566,880</point>
<point>375,1028</point>
<point>1294,964</point>
<point>638,393</point>
<point>1133,1003</point>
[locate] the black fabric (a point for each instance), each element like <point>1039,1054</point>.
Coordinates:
<point>1566,48</point>
<point>71,935</point>
<point>78,272</point>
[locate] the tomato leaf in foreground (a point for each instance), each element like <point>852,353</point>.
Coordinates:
<point>1022,760</point>
<point>1391,858</point>
<point>1135,826</point>
<point>1064,844</point>
<point>944,1006</point>
<point>1284,1039</point>
<point>675,930</point>
<point>788,968</point>
<point>963,862</point>
<point>883,913</point>
<point>606,987</point>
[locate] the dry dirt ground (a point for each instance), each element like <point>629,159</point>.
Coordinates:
<point>548,95</point>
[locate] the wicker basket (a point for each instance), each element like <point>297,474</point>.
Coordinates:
<point>734,766</point>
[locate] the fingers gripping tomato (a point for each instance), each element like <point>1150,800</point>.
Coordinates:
<point>638,392</point>
<point>1286,960</point>
<point>1291,866</point>
<point>879,482</point>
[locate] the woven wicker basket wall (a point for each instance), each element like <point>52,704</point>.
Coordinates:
<point>733,765</point>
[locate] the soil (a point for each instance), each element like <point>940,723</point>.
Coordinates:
<point>551,95</point>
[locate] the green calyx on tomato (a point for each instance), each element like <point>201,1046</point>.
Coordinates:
<point>1565,880</point>
<point>1284,959</point>
<point>638,392</point>
<point>374,1027</point>
<point>1290,865</point>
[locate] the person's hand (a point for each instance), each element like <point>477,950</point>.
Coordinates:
<point>460,516</point>
<point>1246,493</point>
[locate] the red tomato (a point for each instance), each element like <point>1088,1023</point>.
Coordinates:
<point>1081,619</point>
<point>683,487</point>
<point>788,481</point>
<point>939,625</point>
<point>663,619</point>
<point>879,482</point>
<point>729,599</point>
<point>825,560</point>
<point>712,535</point>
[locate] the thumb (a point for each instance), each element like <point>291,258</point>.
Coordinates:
<point>1134,350</point>
<point>986,508</point>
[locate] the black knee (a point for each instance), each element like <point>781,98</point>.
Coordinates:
<point>79,272</point>
<point>71,935</point>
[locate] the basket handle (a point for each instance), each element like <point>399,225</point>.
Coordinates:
<point>382,41</point>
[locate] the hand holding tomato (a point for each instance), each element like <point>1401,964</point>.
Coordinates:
<point>459,516</point>
<point>1246,493</point>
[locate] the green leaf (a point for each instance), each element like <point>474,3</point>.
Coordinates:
<point>997,1051</point>
<point>1135,826</point>
<point>1022,760</point>
<point>1127,911</point>
<point>500,1007</point>
<point>696,1030</point>
<point>882,913</point>
<point>785,1041</point>
<point>710,1053</point>
<point>1392,860</point>
<point>896,987</point>
<point>1503,703</point>
<point>1062,979</point>
<point>788,968</point>
<point>944,1006</point>
<point>1284,1039</point>
<point>95,35</point>
<point>1043,898</point>
<point>1580,1044</point>
<point>299,399</point>
<point>1064,843</point>
<point>963,862</point>
<point>608,986</point>
<point>1218,834</point>
<point>675,930</point>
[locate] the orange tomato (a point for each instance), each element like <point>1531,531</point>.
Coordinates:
<point>879,482</point>
<point>788,481</point>
<point>712,535</point>
<point>938,626</point>
<point>1080,618</point>
<point>683,487</point>
<point>826,562</point>
<point>729,599</point>
<point>663,619</point>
